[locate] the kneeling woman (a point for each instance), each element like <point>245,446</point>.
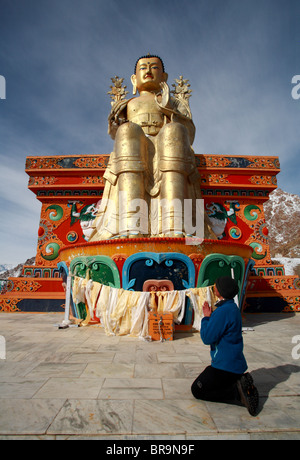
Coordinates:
<point>225,379</point>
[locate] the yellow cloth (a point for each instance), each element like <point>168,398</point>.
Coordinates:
<point>123,312</point>
<point>139,317</point>
<point>172,302</point>
<point>78,292</point>
<point>198,296</point>
<point>92,292</point>
<point>130,313</point>
<point>103,309</point>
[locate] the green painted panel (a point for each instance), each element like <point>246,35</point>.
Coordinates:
<point>217,265</point>
<point>101,269</point>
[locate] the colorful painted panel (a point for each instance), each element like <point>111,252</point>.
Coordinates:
<point>175,267</point>
<point>217,265</point>
<point>101,269</point>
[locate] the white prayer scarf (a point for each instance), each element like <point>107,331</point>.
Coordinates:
<point>123,312</point>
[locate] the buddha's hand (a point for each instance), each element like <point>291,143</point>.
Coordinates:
<point>165,94</point>
<point>115,119</point>
<point>117,108</point>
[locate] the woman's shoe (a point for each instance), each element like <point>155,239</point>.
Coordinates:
<point>248,393</point>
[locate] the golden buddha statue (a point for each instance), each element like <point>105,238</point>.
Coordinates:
<point>152,163</point>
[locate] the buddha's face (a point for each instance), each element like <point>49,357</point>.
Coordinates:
<point>149,74</point>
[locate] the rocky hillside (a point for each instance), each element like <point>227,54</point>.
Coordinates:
<point>7,271</point>
<point>282,214</point>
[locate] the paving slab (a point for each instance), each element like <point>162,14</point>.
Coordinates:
<point>78,383</point>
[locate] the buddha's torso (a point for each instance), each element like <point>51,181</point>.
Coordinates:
<point>144,111</point>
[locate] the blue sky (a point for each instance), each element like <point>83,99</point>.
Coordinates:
<point>57,57</point>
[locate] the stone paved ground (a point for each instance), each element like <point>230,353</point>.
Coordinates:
<point>77,383</point>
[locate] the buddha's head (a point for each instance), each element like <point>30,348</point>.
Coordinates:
<point>149,72</point>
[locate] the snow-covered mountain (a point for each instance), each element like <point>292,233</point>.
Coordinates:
<point>8,270</point>
<point>282,214</point>
<point>5,267</point>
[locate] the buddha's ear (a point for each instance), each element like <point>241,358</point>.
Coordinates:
<point>133,81</point>
<point>165,76</point>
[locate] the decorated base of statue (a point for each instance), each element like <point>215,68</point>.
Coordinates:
<point>68,189</point>
<point>156,265</point>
